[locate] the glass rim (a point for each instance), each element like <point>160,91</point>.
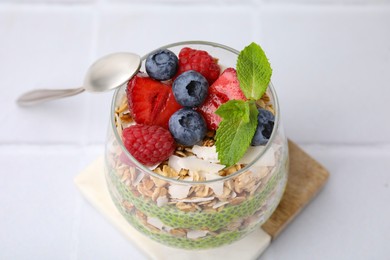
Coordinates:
<point>187,182</point>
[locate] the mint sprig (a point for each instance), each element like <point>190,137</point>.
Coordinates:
<point>253,71</point>
<point>239,117</point>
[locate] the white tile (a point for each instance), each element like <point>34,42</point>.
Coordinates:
<point>37,201</point>
<point>94,237</point>
<point>141,29</point>
<point>43,48</point>
<point>167,2</point>
<point>349,219</point>
<point>98,117</point>
<point>331,70</point>
<point>326,2</point>
<point>99,239</point>
<point>184,2</point>
<point>47,1</point>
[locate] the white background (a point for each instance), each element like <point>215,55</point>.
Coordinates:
<point>331,62</point>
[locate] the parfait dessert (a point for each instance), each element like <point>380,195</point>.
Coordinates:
<point>196,156</point>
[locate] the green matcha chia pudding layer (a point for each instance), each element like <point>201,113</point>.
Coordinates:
<point>218,180</point>
<point>197,226</point>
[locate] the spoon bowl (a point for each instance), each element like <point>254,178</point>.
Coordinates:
<point>111,71</point>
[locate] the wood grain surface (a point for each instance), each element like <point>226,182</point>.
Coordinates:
<point>306,178</point>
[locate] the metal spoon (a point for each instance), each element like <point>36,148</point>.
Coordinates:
<point>107,73</point>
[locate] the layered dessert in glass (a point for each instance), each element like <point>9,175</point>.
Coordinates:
<point>178,169</point>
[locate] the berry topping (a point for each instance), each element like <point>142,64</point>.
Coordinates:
<point>208,109</point>
<point>150,102</point>
<point>200,61</point>
<point>190,88</point>
<point>225,88</point>
<point>187,127</point>
<point>265,125</point>
<point>162,64</point>
<point>149,144</point>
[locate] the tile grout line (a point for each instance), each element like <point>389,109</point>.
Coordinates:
<point>256,20</point>
<point>92,55</point>
<point>75,234</point>
<point>100,145</point>
<point>189,4</point>
<point>78,216</point>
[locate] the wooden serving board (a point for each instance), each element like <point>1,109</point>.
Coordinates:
<point>306,178</point>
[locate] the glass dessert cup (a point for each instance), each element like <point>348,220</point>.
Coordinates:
<point>193,214</point>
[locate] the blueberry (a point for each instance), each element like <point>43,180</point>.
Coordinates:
<point>187,127</point>
<point>265,125</point>
<point>190,89</point>
<point>162,64</point>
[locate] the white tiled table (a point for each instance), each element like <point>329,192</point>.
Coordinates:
<point>331,70</point>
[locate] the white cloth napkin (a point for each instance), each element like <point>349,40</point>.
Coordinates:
<point>92,184</point>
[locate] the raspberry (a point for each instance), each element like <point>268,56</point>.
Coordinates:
<point>149,144</point>
<point>200,61</point>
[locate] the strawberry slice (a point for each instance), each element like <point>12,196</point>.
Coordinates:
<point>225,88</point>
<point>150,102</point>
<point>207,110</point>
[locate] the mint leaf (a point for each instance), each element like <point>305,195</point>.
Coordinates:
<point>253,71</point>
<point>235,133</point>
<point>233,109</point>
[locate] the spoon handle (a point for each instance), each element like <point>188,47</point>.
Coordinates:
<point>42,95</point>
